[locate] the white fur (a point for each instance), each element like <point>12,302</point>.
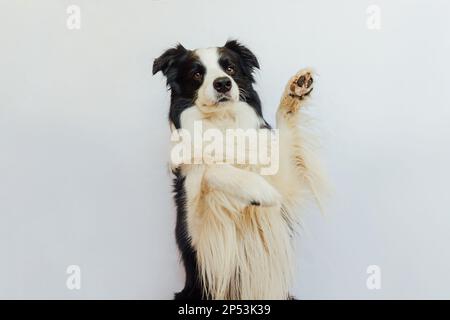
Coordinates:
<point>245,251</point>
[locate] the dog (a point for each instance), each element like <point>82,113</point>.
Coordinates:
<point>234,225</point>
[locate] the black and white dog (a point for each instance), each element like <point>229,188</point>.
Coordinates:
<point>235,225</point>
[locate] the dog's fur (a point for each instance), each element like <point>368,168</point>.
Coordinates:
<point>234,226</point>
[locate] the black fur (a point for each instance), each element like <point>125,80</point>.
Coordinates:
<point>179,66</point>
<point>192,287</point>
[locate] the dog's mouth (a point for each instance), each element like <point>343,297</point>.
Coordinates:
<point>219,101</point>
<point>223,98</point>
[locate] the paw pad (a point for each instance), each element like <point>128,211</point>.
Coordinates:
<point>302,85</point>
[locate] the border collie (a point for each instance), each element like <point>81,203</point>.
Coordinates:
<point>234,225</point>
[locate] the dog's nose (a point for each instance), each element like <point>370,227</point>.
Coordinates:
<point>222,84</point>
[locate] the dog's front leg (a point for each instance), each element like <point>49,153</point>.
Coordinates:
<point>299,170</point>
<point>248,187</point>
<point>241,188</point>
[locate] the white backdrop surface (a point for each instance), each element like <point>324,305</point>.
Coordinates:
<point>84,141</point>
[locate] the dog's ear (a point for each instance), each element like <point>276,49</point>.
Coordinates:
<point>166,60</point>
<point>246,55</point>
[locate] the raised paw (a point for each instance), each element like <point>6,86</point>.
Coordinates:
<point>301,84</point>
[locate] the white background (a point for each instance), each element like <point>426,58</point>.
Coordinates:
<point>84,141</point>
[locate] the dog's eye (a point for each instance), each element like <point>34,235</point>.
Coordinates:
<point>197,76</point>
<point>230,70</point>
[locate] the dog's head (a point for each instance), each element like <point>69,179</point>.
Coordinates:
<point>208,78</point>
